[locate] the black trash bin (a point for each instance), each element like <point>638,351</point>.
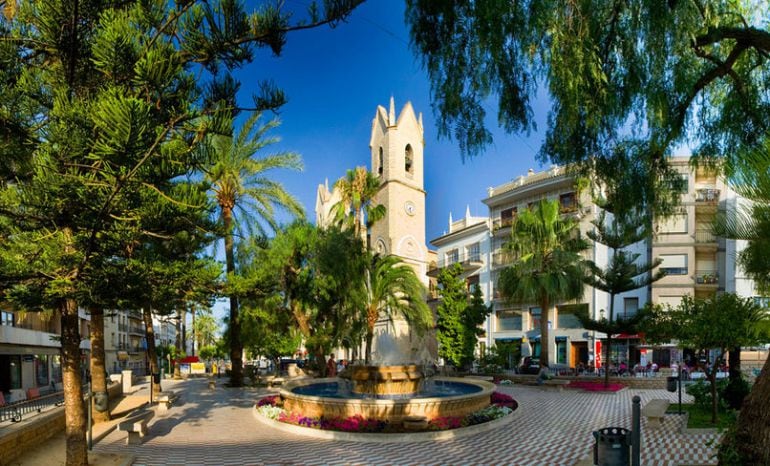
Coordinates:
<point>671,383</point>
<point>612,447</point>
<point>156,378</point>
<point>101,401</point>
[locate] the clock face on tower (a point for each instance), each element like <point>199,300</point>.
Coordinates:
<point>410,208</point>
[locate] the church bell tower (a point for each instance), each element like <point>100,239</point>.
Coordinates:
<point>396,146</point>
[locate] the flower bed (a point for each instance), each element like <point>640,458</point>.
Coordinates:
<point>595,386</point>
<point>270,407</point>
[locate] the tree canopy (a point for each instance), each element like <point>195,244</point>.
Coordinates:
<point>628,81</point>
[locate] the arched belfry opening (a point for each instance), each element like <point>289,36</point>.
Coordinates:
<point>379,164</point>
<point>409,159</point>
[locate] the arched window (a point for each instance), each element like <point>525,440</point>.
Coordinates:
<point>408,159</point>
<point>379,165</point>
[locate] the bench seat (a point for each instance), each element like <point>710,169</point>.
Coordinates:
<point>136,426</point>
<point>165,400</point>
<point>654,411</point>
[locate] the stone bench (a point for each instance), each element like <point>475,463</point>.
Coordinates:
<point>558,383</point>
<point>272,380</point>
<point>165,400</point>
<point>654,411</point>
<point>136,426</point>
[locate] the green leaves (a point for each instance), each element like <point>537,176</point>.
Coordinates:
<point>123,128</point>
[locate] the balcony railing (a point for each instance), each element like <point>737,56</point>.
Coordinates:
<point>499,223</point>
<point>707,195</point>
<point>705,236</point>
<point>136,329</point>
<point>502,258</point>
<point>463,259</point>
<point>706,277</point>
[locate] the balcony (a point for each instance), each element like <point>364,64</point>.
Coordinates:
<point>26,337</point>
<point>706,200</point>
<point>136,315</point>
<point>469,262</point>
<point>502,258</point>
<point>500,225</point>
<point>706,279</point>
<point>705,241</point>
<point>136,330</point>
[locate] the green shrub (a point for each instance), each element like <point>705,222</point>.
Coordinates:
<point>701,392</point>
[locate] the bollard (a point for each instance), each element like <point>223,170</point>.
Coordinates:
<point>636,430</point>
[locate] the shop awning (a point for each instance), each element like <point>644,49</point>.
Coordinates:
<point>122,355</point>
<point>628,336</point>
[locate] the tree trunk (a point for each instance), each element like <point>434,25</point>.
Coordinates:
<point>608,346</point>
<point>752,431</point>
<point>152,355</point>
<point>74,407</point>
<point>734,361</point>
<point>98,369</point>
<point>544,333</point>
<point>236,348</point>
<point>192,340</point>
<point>369,340</point>
<point>714,400</point>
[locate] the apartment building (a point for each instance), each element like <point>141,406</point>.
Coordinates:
<point>30,350</point>
<point>696,262</point>
<point>124,342</point>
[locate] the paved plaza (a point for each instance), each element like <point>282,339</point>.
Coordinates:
<point>550,428</point>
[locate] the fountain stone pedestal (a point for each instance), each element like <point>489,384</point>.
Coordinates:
<point>384,380</point>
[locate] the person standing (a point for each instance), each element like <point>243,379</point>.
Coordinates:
<point>331,367</point>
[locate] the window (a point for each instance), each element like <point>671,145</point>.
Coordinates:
<point>474,252</point>
<point>674,224</point>
<point>566,320</point>
<point>452,257</point>
<point>473,283</point>
<point>568,202</point>
<point>680,184</point>
<point>41,370</point>
<point>6,318</point>
<point>561,350</point>
<point>534,313</point>
<point>408,159</point>
<point>14,371</point>
<point>762,301</point>
<point>508,321</point>
<point>630,307</point>
<point>674,264</point>
<point>379,165</point>
<point>507,216</point>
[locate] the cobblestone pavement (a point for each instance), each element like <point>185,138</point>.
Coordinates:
<point>550,428</point>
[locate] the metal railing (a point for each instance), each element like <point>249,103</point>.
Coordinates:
<point>707,195</point>
<point>502,222</point>
<point>16,411</point>
<point>705,236</point>
<point>459,259</point>
<point>706,277</point>
<point>136,329</point>
<point>501,258</point>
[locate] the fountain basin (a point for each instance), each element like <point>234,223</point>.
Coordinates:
<point>391,410</point>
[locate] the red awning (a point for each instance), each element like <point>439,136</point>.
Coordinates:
<point>628,336</point>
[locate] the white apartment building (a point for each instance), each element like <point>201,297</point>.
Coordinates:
<point>697,263</point>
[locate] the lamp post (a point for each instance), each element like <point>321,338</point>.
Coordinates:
<point>680,388</point>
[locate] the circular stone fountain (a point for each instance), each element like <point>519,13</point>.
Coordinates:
<point>388,393</point>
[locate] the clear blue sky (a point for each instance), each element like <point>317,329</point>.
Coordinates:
<point>335,78</point>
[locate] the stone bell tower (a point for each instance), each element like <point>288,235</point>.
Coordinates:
<point>396,146</point>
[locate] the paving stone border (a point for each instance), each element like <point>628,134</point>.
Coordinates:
<point>410,437</point>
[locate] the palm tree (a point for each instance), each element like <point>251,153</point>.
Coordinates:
<point>547,266</point>
<point>393,288</point>
<point>356,207</point>
<point>247,200</point>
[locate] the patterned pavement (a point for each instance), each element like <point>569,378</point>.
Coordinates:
<point>550,428</point>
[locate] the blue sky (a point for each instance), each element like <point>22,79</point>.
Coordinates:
<point>335,78</point>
